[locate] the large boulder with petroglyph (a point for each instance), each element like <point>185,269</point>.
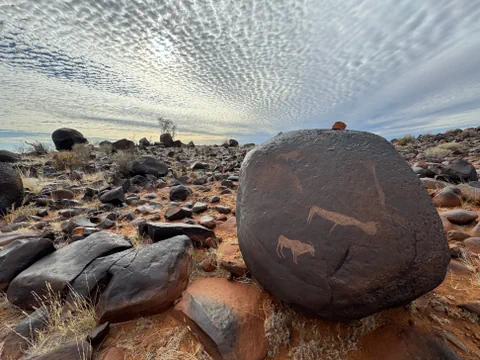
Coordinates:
<point>337,224</point>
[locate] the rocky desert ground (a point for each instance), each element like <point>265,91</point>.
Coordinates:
<point>130,250</point>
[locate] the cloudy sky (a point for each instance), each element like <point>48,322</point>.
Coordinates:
<point>236,68</point>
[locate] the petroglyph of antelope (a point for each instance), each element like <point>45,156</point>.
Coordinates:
<point>369,227</point>
<point>296,247</point>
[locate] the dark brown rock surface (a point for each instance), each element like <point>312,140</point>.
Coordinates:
<point>336,223</point>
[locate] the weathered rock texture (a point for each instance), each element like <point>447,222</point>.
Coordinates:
<point>11,188</point>
<point>227,317</point>
<point>336,223</point>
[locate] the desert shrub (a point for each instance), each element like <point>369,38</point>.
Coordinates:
<point>106,147</point>
<point>443,150</point>
<point>83,151</point>
<point>34,148</point>
<point>468,133</point>
<point>407,139</point>
<point>278,329</point>
<point>167,126</point>
<point>67,160</point>
<point>123,160</point>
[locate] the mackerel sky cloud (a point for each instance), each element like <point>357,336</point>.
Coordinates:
<point>245,69</point>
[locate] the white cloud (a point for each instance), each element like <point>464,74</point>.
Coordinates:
<point>250,68</point>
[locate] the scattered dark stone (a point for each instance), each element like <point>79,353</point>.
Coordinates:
<point>62,194</point>
<point>159,231</point>
<point>226,192</point>
<point>123,183</point>
<point>450,196</point>
<point>199,207</point>
<point>144,165</point>
<point>106,224</point>
<point>128,215</point>
<point>433,184</point>
<point>458,268</point>
<point>208,222</point>
<point>292,218</point>
<point>223,209</point>
<point>167,140</point>
<point>473,244</point>
<point>470,193</point>
<point>177,213</point>
<point>179,193</point>
<point>61,267</point>
<point>149,209</point>
<point>191,144</point>
<point>144,142</point>
<point>157,274</point>
<point>230,143</point>
<point>457,235</point>
<point>461,217</point>
<point>200,181</point>
<point>123,144</point>
<point>65,138</point>
<point>227,183</point>
<point>198,165</point>
<point>226,316</point>
<point>214,199</point>
<point>9,157</point>
<point>42,213</point>
<point>209,263</point>
<point>19,255</point>
<point>11,188</point>
<point>65,204</point>
<point>115,196</point>
<point>473,307</point>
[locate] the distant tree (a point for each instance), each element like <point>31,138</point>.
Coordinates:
<point>167,126</point>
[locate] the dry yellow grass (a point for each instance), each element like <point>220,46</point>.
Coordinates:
<point>67,160</point>
<point>23,210</point>
<point>66,323</point>
<point>443,150</point>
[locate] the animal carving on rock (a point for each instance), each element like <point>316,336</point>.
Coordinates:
<point>296,247</point>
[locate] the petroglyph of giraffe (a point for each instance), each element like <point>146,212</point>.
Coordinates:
<point>296,247</point>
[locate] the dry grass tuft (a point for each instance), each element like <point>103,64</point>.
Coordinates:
<point>407,139</point>
<point>66,323</point>
<point>123,160</point>
<point>443,150</point>
<point>278,328</point>
<point>67,160</point>
<point>83,151</point>
<point>21,211</point>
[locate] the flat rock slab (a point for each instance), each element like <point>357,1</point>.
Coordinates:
<point>473,244</point>
<point>337,224</point>
<point>159,231</point>
<point>146,281</point>
<point>8,238</point>
<point>61,267</point>
<point>461,217</point>
<point>19,255</point>
<point>227,316</point>
<point>394,343</point>
<point>77,350</point>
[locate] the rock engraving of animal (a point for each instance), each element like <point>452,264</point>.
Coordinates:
<point>369,227</point>
<point>296,247</point>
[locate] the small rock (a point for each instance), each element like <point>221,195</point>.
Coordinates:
<point>199,207</point>
<point>200,181</point>
<point>214,199</point>
<point>177,213</point>
<point>208,222</point>
<point>448,197</point>
<point>457,235</point>
<point>339,126</point>
<point>461,217</point>
<point>115,196</point>
<point>65,138</point>
<point>473,244</point>
<point>458,268</point>
<point>198,165</point>
<point>159,231</point>
<point>179,193</point>
<point>473,307</point>
<point>223,209</point>
<point>123,144</point>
